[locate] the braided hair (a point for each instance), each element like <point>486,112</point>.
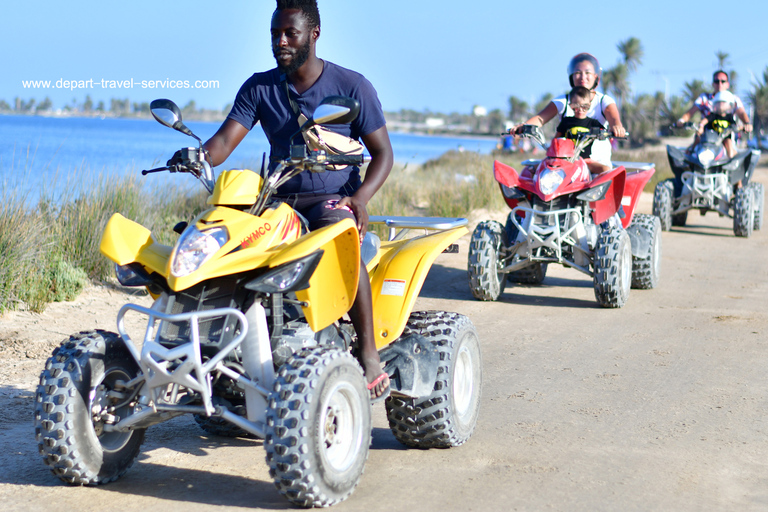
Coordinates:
<point>307,7</point>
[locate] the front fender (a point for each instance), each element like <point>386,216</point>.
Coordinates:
<point>333,285</point>
<point>604,209</point>
<point>398,277</point>
<point>125,241</point>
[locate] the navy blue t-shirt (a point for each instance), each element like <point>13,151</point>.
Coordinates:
<point>262,99</point>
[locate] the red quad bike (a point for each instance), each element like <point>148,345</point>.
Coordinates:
<point>560,214</point>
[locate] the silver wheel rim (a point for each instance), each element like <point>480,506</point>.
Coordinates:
<point>625,269</point>
<point>110,442</point>
<point>463,382</point>
<point>341,427</point>
<point>656,261</point>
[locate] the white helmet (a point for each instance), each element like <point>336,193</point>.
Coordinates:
<point>724,97</point>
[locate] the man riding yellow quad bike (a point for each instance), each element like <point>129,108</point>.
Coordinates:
<point>247,334</point>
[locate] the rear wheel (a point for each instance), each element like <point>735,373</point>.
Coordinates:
<point>318,428</point>
<point>483,268</point>
<point>646,270</point>
<point>662,205</point>
<point>81,393</point>
<point>743,213</point>
<point>448,416</point>
<point>612,267</point>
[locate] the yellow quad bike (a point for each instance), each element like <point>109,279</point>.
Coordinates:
<point>247,334</point>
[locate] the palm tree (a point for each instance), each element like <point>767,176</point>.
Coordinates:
<point>758,97</point>
<point>632,52</point>
<point>673,109</point>
<point>518,109</point>
<point>722,59</point>
<point>693,89</point>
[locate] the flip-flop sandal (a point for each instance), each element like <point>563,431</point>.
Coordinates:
<point>373,384</point>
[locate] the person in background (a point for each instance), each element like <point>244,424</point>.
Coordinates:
<point>721,118</point>
<point>703,104</point>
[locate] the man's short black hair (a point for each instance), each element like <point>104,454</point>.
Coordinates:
<point>580,92</point>
<point>719,71</point>
<point>308,7</point>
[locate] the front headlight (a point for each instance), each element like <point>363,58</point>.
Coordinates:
<point>549,180</point>
<point>288,277</point>
<point>706,157</point>
<point>595,193</point>
<point>195,247</point>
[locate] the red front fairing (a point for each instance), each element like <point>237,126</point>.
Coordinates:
<point>635,182</point>
<point>605,208</point>
<point>577,179</point>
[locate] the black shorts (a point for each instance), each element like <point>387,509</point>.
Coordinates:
<point>319,210</point>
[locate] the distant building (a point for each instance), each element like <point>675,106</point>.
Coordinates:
<point>434,122</point>
<point>479,111</point>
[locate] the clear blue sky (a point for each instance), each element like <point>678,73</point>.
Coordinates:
<point>443,56</point>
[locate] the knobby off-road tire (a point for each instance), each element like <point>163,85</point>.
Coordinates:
<point>75,384</point>
<point>646,271</point>
<point>758,204</point>
<point>743,213</point>
<point>485,280</point>
<point>318,427</point>
<point>448,416</point>
<point>612,267</point>
<point>662,205</point>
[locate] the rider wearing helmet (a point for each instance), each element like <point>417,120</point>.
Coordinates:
<point>722,118</point>
<point>584,71</point>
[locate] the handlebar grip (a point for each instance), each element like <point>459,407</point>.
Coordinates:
<point>347,159</point>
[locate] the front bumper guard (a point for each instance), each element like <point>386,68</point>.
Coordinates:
<point>169,374</point>
<point>705,191</point>
<point>542,237</point>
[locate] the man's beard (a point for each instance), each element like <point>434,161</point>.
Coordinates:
<point>299,58</point>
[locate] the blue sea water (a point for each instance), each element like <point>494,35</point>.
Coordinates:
<point>50,152</point>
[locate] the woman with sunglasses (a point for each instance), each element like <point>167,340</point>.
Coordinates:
<point>584,71</point>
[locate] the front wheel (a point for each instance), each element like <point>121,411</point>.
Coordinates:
<point>483,267</point>
<point>662,205</point>
<point>447,417</point>
<point>81,392</point>
<point>743,214</point>
<point>612,267</point>
<point>646,270</point>
<point>318,427</point>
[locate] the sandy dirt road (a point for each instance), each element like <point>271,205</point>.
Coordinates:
<point>661,405</point>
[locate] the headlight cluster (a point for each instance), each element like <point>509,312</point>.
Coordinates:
<point>550,180</point>
<point>706,157</point>
<point>195,247</point>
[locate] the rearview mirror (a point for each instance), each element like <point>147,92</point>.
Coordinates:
<point>168,114</point>
<point>334,110</point>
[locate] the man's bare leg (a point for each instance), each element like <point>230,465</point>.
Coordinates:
<point>361,315</point>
